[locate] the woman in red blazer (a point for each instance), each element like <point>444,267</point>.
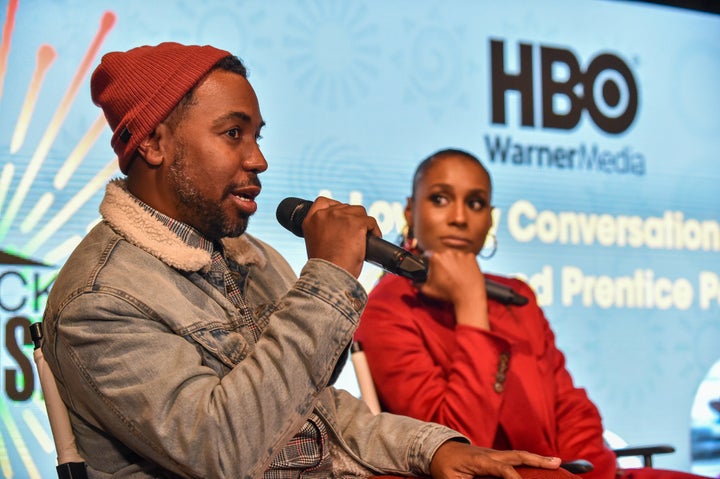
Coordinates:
<point>442,351</point>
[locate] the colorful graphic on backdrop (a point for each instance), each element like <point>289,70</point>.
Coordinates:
<point>39,197</point>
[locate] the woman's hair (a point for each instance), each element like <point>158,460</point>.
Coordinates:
<point>430,160</point>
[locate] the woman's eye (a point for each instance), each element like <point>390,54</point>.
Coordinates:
<point>477,204</point>
<point>438,199</point>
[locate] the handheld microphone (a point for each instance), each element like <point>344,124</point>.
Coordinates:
<point>504,294</point>
<point>292,211</point>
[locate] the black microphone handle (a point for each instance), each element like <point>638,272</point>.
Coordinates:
<point>291,213</point>
<point>394,259</point>
<point>504,294</point>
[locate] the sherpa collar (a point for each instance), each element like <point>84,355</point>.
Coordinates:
<point>123,213</point>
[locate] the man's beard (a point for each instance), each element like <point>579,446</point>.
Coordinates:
<point>206,215</point>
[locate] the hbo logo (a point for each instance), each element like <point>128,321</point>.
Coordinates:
<point>606,89</point>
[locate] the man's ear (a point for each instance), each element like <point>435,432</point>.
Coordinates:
<point>151,148</point>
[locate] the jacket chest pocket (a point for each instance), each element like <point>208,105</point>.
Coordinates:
<point>220,345</point>
<point>224,344</point>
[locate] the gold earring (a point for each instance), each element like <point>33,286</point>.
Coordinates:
<point>494,247</point>
<point>409,241</point>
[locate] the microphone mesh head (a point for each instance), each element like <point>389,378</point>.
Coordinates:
<point>291,212</point>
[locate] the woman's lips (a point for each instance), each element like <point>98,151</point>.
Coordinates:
<point>455,242</point>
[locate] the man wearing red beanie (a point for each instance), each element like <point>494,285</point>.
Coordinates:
<point>184,347</point>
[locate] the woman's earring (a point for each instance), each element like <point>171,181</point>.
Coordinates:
<point>409,241</point>
<point>413,243</point>
<point>494,247</point>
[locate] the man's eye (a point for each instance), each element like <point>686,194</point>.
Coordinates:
<point>233,133</point>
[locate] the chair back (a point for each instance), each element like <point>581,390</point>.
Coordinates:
<point>70,464</point>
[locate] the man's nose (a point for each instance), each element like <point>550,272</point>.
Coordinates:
<point>255,161</point>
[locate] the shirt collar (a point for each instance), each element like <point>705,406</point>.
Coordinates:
<point>189,235</point>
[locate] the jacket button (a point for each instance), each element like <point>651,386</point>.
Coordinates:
<point>503,366</point>
<point>504,362</point>
<point>504,359</point>
<point>356,303</point>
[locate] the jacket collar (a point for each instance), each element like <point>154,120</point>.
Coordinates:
<point>130,220</point>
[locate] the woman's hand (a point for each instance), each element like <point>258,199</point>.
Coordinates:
<point>455,276</point>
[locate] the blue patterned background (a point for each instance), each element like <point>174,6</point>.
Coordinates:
<point>355,94</point>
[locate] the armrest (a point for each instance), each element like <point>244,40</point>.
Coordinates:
<point>645,451</point>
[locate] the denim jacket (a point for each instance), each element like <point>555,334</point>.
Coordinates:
<point>160,382</point>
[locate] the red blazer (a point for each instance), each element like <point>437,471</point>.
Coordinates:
<point>511,379</point>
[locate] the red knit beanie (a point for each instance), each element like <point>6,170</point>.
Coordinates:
<point>138,89</point>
